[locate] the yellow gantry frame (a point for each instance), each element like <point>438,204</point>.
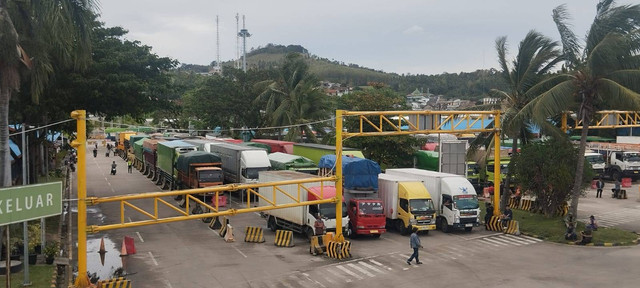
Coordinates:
<point>386,119</point>
<point>606,120</point>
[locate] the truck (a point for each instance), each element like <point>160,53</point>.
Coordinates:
<point>138,159</point>
<point>277,145</point>
<point>621,160</point>
<point>284,161</point>
<point>407,204</point>
<point>427,160</point>
<point>299,219</point>
<point>453,196</point>
<point>596,160</point>
<point>123,143</point>
<point>316,151</point>
<point>360,186</point>
<point>150,157</point>
<point>240,164</point>
<point>168,152</point>
<point>199,169</point>
<point>201,144</point>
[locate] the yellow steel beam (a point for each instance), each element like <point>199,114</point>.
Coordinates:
<point>80,145</point>
<point>609,119</point>
<point>182,214</point>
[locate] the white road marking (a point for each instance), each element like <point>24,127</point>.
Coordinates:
<point>153,259</point>
<point>309,279</point>
<point>490,242</point>
<point>506,241</point>
<point>363,271</point>
<point>345,270</point>
<point>129,219</point>
<point>371,267</point>
<point>245,256</point>
<point>140,236</point>
<point>168,284</point>
<point>380,264</point>
<point>332,271</point>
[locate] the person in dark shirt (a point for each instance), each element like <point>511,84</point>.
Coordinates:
<point>506,216</point>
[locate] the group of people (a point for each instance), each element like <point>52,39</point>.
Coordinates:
<point>505,217</point>
<point>617,192</point>
<point>586,235</point>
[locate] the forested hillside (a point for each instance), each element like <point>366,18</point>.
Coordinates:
<point>471,85</point>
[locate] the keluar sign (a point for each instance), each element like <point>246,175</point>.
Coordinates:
<point>23,203</point>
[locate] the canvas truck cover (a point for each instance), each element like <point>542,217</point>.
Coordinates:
<point>166,154</point>
<point>195,157</point>
<point>277,145</point>
<point>358,173</point>
<point>284,161</point>
<point>151,144</point>
<point>137,148</point>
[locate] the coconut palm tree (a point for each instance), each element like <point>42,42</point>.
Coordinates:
<point>537,54</point>
<point>294,98</point>
<point>601,74</point>
<point>35,37</point>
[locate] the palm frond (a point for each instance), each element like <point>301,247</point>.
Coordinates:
<point>501,47</point>
<point>617,96</point>
<point>610,18</point>
<point>557,99</point>
<point>627,78</point>
<point>570,44</point>
<point>610,54</point>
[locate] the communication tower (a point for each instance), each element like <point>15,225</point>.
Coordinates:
<point>244,33</point>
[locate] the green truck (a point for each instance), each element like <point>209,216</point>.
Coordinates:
<point>426,160</point>
<point>284,161</point>
<point>138,160</point>
<point>316,151</point>
<point>168,153</point>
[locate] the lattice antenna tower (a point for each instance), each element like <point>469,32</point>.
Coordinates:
<point>244,33</point>
<point>237,63</point>
<point>217,68</point>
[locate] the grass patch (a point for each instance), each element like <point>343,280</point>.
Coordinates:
<point>39,275</point>
<point>553,229</point>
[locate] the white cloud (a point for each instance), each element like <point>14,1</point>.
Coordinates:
<point>415,29</point>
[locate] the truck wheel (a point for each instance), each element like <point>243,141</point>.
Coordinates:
<point>309,233</point>
<point>616,175</point>
<point>272,224</point>
<point>468,229</point>
<point>444,225</point>
<point>350,232</point>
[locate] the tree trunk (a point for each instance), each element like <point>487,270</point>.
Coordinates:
<point>5,156</point>
<point>577,184</point>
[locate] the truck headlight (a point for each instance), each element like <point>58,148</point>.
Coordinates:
<point>413,221</point>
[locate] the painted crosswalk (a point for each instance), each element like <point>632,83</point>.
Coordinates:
<point>615,217</point>
<point>376,266</point>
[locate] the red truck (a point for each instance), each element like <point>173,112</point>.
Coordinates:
<point>277,145</point>
<point>366,217</point>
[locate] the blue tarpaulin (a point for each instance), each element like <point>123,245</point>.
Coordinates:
<point>14,148</point>
<point>358,173</point>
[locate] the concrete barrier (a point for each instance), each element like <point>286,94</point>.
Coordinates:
<point>253,235</point>
<point>284,238</point>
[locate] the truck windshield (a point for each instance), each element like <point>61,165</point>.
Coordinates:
<point>252,173</point>
<point>211,176</point>
<point>370,208</point>
<point>329,210</point>
<point>466,201</point>
<point>595,159</point>
<point>631,157</point>
<point>421,206</point>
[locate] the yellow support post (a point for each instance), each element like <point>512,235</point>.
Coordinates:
<point>339,236</point>
<point>564,122</point>
<point>79,144</point>
<point>496,164</point>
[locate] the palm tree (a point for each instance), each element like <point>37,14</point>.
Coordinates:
<point>294,98</point>
<point>601,75</point>
<point>536,55</point>
<point>35,37</point>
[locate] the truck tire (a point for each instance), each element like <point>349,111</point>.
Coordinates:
<point>444,225</point>
<point>616,175</point>
<point>308,232</point>
<point>271,223</point>
<point>350,232</point>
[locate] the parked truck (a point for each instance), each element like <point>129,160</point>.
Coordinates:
<point>621,160</point>
<point>150,157</point>
<point>123,143</point>
<point>316,151</point>
<point>299,219</point>
<point>240,164</point>
<point>407,204</point>
<point>277,145</point>
<point>138,158</point>
<point>596,160</point>
<point>360,186</point>
<point>168,152</point>
<point>199,169</point>
<point>453,196</point>
<point>283,161</point>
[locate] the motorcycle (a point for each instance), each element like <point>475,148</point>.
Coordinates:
<point>95,153</point>
<point>113,170</point>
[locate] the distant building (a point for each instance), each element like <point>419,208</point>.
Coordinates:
<point>417,99</point>
<point>490,101</point>
<point>335,89</point>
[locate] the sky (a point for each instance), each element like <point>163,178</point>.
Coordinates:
<point>400,36</point>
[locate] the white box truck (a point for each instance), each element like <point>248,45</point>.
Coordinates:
<point>406,203</point>
<point>453,195</point>
<point>301,218</point>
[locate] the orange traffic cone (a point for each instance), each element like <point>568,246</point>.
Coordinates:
<point>123,250</point>
<point>102,251</point>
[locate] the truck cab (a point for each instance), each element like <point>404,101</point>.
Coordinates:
<point>366,216</point>
<point>596,160</point>
<point>459,206</point>
<point>252,162</point>
<point>624,164</point>
<point>327,210</point>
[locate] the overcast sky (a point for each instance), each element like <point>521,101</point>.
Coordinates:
<point>401,36</point>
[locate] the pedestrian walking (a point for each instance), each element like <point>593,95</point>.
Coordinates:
<point>599,186</point>
<point>414,240</point>
<point>130,165</point>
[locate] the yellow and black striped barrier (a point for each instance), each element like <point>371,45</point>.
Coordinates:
<point>215,223</point>
<point>339,250</point>
<point>284,238</point>
<point>253,235</point>
<point>513,227</point>
<point>514,203</point>
<point>494,224</point>
<point>119,282</point>
<point>223,227</point>
<point>562,210</point>
<point>317,245</point>
<point>526,204</point>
